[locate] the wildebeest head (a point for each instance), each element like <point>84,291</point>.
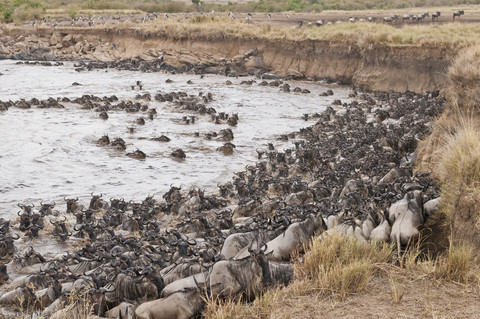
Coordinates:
<point>172,194</point>
<point>95,202</point>
<point>33,230</point>
<point>60,230</point>
<point>72,204</point>
<point>262,260</point>
<point>118,203</point>
<point>26,208</point>
<point>25,220</point>
<point>152,275</point>
<point>7,247</point>
<point>46,208</point>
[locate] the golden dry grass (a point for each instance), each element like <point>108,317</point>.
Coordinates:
<point>363,34</point>
<point>458,265</point>
<point>460,164</point>
<point>339,265</point>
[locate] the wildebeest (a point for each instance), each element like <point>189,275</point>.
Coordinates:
<point>179,305</point>
<point>184,283</point>
<point>296,235</point>
<point>72,205</point>
<point>22,296</point>
<point>96,203</point>
<point>7,247</point>
<point>247,276</point>
<point>382,231</point>
<point>435,15</point>
<point>31,257</point>
<point>124,310</point>
<point>458,14</point>
<point>129,288</point>
<point>179,271</point>
<point>46,208</point>
<point>390,19</point>
<point>60,230</point>
<point>237,242</point>
<point>406,217</point>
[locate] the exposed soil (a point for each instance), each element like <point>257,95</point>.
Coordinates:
<point>422,298</point>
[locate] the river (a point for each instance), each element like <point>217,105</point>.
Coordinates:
<point>46,154</point>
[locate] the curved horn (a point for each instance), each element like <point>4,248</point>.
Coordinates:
<point>192,242</point>
<point>263,247</point>
<point>105,290</point>
<point>18,237</point>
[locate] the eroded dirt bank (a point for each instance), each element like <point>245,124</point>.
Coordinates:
<point>372,67</point>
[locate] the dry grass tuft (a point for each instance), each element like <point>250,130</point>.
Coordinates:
<point>260,308</point>
<point>339,265</point>
<point>458,265</point>
<point>397,290</point>
<point>465,70</point>
<point>460,165</point>
<point>464,74</point>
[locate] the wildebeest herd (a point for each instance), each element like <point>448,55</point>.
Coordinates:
<point>163,257</point>
<point>85,21</point>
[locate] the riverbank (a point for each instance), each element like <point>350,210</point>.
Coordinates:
<point>368,56</point>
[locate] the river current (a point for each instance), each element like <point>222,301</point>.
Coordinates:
<point>46,154</point>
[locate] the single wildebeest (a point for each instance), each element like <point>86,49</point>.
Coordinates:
<point>179,271</point>
<point>248,276</point>
<point>96,203</point>
<point>184,283</point>
<point>7,247</point>
<point>72,205</point>
<point>406,217</point>
<point>129,288</point>
<point>238,242</point>
<point>60,230</point>
<point>296,235</point>
<point>179,305</point>
<point>382,231</point>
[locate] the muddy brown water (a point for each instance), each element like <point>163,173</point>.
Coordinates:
<point>46,154</point>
